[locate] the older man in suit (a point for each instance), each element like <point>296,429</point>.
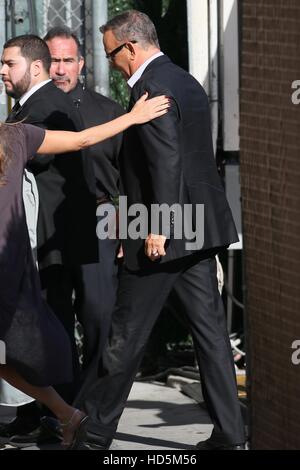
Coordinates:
<point>99,280</point>
<point>168,161</point>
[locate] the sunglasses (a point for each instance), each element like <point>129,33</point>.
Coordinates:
<point>111,55</point>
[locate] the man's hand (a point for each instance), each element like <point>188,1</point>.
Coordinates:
<point>155,246</point>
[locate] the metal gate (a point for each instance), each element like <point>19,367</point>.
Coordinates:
<point>38,16</point>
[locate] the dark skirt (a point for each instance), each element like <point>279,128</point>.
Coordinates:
<point>37,345</point>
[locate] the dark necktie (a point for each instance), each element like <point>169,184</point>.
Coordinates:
<point>15,110</point>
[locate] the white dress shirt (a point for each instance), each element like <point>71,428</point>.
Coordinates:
<point>139,72</point>
<point>30,190</point>
<point>32,90</point>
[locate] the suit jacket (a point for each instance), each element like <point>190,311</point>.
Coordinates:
<point>95,109</point>
<point>170,160</point>
<point>67,222</point>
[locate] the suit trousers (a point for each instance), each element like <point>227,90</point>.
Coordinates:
<point>96,296</point>
<point>141,296</point>
<point>89,292</point>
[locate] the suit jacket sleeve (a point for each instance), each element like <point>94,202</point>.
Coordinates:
<point>46,116</point>
<point>160,140</point>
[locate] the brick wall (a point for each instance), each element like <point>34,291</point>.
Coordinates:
<point>270,178</point>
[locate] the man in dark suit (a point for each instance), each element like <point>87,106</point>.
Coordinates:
<point>66,224</point>
<point>168,161</point>
<point>98,280</point>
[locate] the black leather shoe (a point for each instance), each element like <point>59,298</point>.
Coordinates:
<point>93,446</point>
<point>52,427</point>
<point>95,442</point>
<point>209,445</point>
<point>17,426</point>
<point>38,436</point>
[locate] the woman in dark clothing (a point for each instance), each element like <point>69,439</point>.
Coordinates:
<point>34,348</point>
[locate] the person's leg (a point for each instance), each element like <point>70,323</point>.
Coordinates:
<point>95,296</point>
<point>68,416</point>
<point>139,302</point>
<point>57,289</point>
<point>197,290</point>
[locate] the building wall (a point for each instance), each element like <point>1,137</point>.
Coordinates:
<point>270,175</point>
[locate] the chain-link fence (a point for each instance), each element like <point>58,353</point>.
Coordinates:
<point>38,16</point>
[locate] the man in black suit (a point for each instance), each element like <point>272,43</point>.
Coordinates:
<point>66,224</point>
<point>98,280</point>
<point>168,161</point>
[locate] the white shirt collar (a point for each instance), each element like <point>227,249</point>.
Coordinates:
<point>32,91</point>
<point>139,72</point>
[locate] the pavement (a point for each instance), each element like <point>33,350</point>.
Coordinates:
<point>157,417</point>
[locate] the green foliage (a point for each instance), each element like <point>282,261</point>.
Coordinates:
<point>117,6</point>
<point>118,86</point>
<point>165,6</point>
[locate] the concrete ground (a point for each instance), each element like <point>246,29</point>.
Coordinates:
<point>157,417</point>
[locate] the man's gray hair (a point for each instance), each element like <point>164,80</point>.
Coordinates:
<point>133,25</point>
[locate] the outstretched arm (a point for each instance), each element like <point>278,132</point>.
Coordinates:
<point>143,111</point>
